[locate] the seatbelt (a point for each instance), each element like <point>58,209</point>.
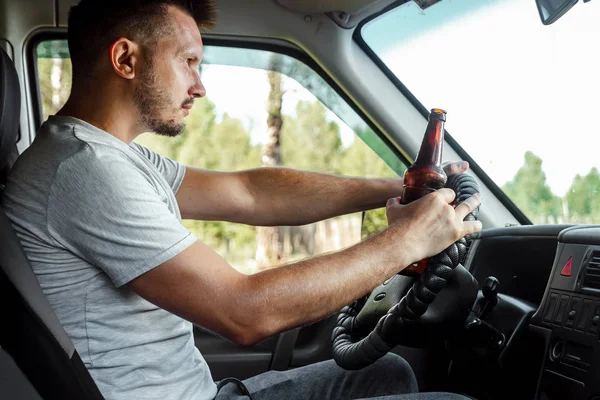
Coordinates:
<point>284,349</point>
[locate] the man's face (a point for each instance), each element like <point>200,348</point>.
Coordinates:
<point>169,80</point>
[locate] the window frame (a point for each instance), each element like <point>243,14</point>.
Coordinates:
<point>273,45</point>
<point>481,174</point>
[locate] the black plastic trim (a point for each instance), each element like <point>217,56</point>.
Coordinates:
<point>274,45</point>
<point>581,234</point>
<point>528,231</point>
<point>494,188</point>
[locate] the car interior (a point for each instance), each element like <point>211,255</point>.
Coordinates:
<point>527,326</point>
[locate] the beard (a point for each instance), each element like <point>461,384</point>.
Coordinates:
<point>151,100</point>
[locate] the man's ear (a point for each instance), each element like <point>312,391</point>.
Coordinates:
<point>124,55</point>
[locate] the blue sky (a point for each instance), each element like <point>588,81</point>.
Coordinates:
<point>408,21</point>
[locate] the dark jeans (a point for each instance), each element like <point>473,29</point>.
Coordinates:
<point>390,378</point>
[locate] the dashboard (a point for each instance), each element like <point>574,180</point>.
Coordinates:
<point>546,318</point>
<point>569,318</point>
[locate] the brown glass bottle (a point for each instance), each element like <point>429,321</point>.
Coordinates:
<point>426,175</point>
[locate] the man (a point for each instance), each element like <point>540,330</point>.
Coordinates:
<point>100,220</point>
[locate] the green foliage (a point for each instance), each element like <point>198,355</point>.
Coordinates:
<point>309,141</point>
<point>583,197</point>
<point>374,221</point>
<point>58,48</point>
<point>360,160</point>
<point>530,192</point>
<point>55,83</point>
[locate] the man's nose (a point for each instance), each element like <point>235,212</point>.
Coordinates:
<point>197,90</point>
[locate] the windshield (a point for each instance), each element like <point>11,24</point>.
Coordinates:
<point>521,96</point>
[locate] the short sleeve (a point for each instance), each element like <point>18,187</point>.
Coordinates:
<point>106,212</point>
<point>172,170</point>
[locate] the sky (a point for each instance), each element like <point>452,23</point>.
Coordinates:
<point>509,83</point>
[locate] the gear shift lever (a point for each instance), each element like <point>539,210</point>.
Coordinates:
<point>490,292</point>
<point>480,335</point>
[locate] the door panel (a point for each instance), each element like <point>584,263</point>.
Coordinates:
<point>290,349</point>
<point>227,359</point>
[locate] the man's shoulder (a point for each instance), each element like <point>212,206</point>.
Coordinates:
<point>88,151</point>
<point>96,165</point>
<point>69,156</point>
<point>59,140</point>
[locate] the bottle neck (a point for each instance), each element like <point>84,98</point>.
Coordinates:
<point>430,152</point>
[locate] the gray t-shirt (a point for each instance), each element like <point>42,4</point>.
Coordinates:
<point>92,214</point>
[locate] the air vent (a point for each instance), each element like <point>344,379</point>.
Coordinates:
<point>591,277</point>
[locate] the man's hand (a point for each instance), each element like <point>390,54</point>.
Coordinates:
<point>429,225</point>
<point>453,168</point>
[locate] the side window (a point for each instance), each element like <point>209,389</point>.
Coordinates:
<point>262,109</point>
<point>54,75</point>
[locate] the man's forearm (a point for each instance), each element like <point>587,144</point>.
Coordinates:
<point>321,285</point>
<point>283,196</point>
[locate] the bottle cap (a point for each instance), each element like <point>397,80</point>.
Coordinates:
<point>438,113</point>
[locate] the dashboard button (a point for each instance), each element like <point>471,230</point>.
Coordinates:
<point>595,323</point>
<point>572,311</point>
<point>551,307</point>
<point>584,315</point>
<point>562,309</point>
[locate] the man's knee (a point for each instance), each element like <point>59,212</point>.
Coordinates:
<point>394,368</point>
<point>394,362</point>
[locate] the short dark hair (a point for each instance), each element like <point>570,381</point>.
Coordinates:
<point>95,24</point>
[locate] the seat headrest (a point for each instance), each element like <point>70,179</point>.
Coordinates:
<point>10,108</point>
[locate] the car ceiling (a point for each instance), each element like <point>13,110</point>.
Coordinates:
<point>321,6</point>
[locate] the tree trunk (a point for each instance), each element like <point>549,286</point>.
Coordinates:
<point>269,240</point>
<point>56,77</point>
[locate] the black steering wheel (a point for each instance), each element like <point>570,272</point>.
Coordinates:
<point>370,327</point>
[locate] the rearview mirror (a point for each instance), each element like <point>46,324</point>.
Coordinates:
<point>426,3</point>
<point>551,10</point>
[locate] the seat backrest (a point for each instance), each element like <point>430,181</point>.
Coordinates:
<point>30,331</point>
<point>13,383</point>
<point>10,102</point>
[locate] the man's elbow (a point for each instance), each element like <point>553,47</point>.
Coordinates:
<point>247,338</point>
<point>251,331</point>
